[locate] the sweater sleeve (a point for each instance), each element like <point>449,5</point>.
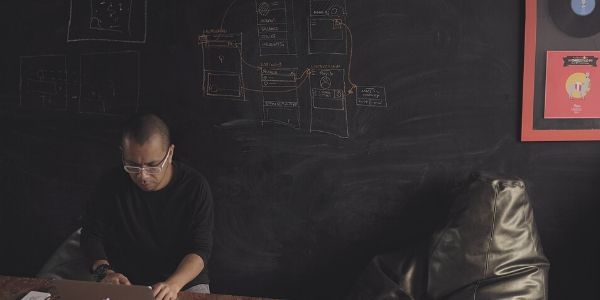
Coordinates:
<point>201,239</point>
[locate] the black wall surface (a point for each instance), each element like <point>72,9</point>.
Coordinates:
<point>315,159</point>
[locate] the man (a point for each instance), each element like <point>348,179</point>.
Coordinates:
<point>150,221</point>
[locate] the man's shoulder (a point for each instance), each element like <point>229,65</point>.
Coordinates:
<point>188,174</point>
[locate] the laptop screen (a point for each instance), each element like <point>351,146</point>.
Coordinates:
<point>78,290</point>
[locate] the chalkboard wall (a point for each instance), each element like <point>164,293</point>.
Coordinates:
<point>318,123</point>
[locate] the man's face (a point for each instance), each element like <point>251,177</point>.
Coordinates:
<point>152,153</point>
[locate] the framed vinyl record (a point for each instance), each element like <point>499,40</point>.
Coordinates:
<point>561,72</point>
<point>577,18</point>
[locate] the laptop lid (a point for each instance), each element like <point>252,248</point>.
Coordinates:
<point>78,290</point>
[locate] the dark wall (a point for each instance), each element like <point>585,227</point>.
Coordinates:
<point>309,183</point>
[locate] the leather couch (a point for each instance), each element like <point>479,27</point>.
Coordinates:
<point>67,262</point>
<point>488,249</point>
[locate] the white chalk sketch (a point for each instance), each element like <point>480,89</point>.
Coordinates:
<point>373,96</point>
<point>328,112</point>
<point>43,82</point>
<point>327,88</point>
<point>326,30</point>
<point>280,95</point>
<point>275,25</point>
<point>108,20</point>
<point>110,82</point>
<point>328,8</point>
<point>112,15</point>
<point>222,64</point>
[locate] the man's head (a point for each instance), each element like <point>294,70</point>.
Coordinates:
<point>147,151</point>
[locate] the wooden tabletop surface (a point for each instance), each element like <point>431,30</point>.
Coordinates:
<point>15,288</point>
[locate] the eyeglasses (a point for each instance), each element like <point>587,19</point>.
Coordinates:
<point>148,170</point>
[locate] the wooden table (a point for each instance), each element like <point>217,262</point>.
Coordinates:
<point>15,288</point>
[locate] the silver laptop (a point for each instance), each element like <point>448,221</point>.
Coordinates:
<point>87,290</point>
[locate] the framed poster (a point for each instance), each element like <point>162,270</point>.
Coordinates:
<point>561,72</point>
<point>571,89</point>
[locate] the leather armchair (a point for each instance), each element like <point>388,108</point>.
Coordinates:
<point>489,249</point>
<point>67,262</point>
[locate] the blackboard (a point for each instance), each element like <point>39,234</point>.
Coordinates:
<point>328,130</point>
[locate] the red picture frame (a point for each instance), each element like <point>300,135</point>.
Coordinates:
<point>528,131</point>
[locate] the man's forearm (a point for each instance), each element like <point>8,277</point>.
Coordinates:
<point>190,266</point>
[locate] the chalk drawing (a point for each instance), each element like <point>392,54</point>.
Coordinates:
<point>373,96</point>
<point>280,95</point>
<point>275,25</point>
<point>328,101</point>
<point>43,82</point>
<point>326,32</point>
<point>110,82</point>
<point>222,66</point>
<point>108,20</point>
<point>111,15</point>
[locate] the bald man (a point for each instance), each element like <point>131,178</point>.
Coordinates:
<point>150,220</point>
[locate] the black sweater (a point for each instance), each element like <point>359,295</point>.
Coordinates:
<point>145,235</point>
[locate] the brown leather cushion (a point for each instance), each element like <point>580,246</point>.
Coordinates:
<point>398,276</point>
<point>67,262</point>
<point>489,249</point>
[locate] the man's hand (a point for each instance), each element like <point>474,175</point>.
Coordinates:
<point>165,291</point>
<point>115,278</point>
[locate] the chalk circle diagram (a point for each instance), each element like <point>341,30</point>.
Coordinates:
<point>108,20</point>
<point>325,82</point>
<point>264,8</point>
<point>335,10</point>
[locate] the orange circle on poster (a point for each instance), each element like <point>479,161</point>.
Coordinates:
<point>578,85</point>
